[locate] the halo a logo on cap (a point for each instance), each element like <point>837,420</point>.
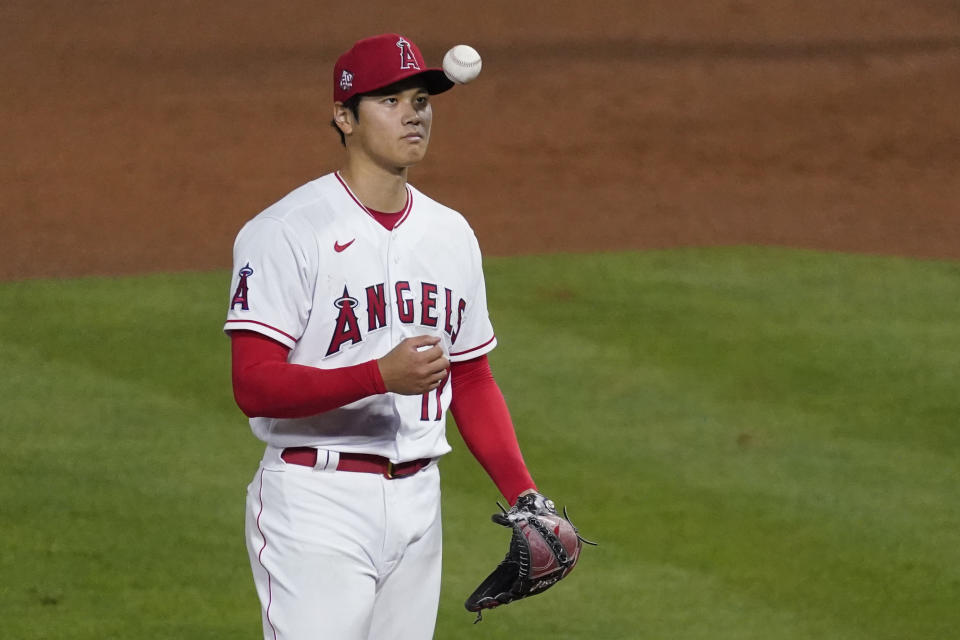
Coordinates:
<point>407,59</point>
<point>346,80</point>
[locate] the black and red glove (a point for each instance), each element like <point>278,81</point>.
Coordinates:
<point>544,548</point>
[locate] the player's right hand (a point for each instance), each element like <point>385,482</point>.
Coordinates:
<point>416,365</point>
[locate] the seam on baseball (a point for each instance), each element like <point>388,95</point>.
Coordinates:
<point>464,64</point>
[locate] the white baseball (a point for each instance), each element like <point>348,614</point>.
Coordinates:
<point>462,64</point>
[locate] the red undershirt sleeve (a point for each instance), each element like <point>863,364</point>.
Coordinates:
<point>484,422</point>
<point>266,385</point>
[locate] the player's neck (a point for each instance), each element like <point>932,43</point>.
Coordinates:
<point>377,188</point>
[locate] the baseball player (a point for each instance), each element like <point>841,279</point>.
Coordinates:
<point>358,318</point>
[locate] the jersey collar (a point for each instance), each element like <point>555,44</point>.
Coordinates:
<point>406,208</point>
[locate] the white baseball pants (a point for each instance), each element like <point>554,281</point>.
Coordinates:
<point>342,555</point>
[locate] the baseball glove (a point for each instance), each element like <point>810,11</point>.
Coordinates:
<point>544,548</point>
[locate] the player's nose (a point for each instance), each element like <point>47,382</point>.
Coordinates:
<point>411,115</point>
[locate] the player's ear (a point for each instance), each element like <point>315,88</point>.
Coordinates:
<point>343,118</point>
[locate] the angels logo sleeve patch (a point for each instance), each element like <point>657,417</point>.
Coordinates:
<point>243,287</point>
<point>270,289</point>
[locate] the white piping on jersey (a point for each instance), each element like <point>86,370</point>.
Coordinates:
<point>406,207</point>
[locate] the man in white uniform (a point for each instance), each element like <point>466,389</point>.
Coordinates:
<point>358,318</point>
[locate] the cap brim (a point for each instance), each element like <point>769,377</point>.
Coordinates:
<point>436,81</point>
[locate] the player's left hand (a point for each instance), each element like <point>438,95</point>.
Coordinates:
<point>544,548</point>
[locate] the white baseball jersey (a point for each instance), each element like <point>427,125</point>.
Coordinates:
<point>317,273</point>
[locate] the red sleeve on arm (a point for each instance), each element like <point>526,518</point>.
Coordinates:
<point>484,422</point>
<point>265,384</point>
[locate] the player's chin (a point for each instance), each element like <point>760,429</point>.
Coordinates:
<point>413,151</point>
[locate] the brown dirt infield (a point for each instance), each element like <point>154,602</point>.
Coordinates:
<point>139,136</point>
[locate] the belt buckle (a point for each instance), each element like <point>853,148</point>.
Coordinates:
<point>388,474</point>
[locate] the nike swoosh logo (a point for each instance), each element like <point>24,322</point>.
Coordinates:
<point>340,247</point>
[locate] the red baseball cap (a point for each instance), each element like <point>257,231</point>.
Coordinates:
<point>374,63</point>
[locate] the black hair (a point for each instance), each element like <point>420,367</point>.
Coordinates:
<point>353,102</point>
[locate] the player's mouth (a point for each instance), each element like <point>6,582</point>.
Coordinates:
<point>413,136</point>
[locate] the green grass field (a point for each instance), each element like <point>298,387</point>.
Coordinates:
<point>765,443</point>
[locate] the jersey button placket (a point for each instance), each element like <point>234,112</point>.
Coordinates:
<point>396,330</point>
<point>390,261</point>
